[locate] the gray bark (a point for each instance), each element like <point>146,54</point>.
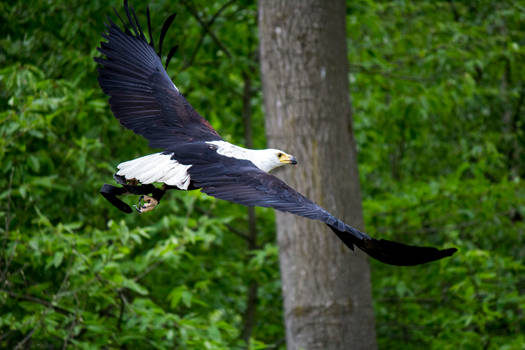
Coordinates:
<point>326,287</point>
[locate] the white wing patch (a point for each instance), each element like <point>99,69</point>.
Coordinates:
<point>156,167</point>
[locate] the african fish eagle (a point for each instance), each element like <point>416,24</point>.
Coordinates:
<point>144,99</point>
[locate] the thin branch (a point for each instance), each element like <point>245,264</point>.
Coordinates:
<point>36,300</point>
<point>237,232</point>
<point>70,334</point>
<point>247,110</point>
<point>25,340</point>
<point>123,303</point>
<point>277,344</point>
<point>9,190</point>
<point>189,63</point>
<point>206,27</point>
<point>443,228</point>
<point>249,313</point>
<point>516,149</point>
<point>228,226</point>
<point>363,69</point>
<point>451,197</point>
<point>519,104</point>
<point>409,300</point>
<point>7,223</point>
<point>455,12</point>
<point>147,270</point>
<point>74,291</point>
<point>219,11</point>
<point>6,334</point>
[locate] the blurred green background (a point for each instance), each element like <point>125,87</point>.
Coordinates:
<point>438,94</point>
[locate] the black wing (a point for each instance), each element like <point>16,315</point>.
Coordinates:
<point>241,182</point>
<point>142,96</point>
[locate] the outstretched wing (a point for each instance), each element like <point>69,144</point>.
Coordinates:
<point>241,182</point>
<point>142,96</point>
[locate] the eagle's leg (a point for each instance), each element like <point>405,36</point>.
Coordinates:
<point>148,203</point>
<point>111,192</point>
<point>132,186</point>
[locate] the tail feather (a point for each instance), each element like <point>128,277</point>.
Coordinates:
<point>390,252</point>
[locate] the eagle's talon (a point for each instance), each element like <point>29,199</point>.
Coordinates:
<point>140,205</point>
<point>146,203</point>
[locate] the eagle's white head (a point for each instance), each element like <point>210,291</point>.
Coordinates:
<point>264,159</point>
<point>269,159</point>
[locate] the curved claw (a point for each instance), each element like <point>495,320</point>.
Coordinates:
<point>140,205</point>
<point>145,203</point>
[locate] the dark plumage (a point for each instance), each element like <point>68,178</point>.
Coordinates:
<point>143,97</point>
<point>145,100</point>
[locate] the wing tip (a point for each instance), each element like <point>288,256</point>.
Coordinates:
<point>132,28</point>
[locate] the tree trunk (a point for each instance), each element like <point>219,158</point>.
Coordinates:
<point>326,287</point>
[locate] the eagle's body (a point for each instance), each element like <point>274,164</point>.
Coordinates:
<point>194,155</point>
<point>165,168</point>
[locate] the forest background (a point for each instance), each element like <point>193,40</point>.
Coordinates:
<point>438,100</point>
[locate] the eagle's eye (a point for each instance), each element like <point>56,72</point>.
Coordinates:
<point>279,155</point>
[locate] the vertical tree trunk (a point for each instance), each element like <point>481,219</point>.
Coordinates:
<point>251,299</point>
<point>326,287</point>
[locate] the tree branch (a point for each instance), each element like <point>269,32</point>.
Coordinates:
<point>123,303</point>
<point>228,226</point>
<point>194,52</point>
<point>455,12</point>
<point>36,300</point>
<point>25,340</point>
<point>219,11</point>
<point>443,228</point>
<point>203,33</point>
<point>362,69</point>
<point>147,270</point>
<point>7,261</point>
<point>206,27</point>
<point>70,334</point>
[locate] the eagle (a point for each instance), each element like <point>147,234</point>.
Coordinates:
<point>194,156</point>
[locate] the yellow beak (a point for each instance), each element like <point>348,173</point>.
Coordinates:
<point>288,159</point>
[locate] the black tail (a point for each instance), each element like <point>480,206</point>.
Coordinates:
<point>389,252</point>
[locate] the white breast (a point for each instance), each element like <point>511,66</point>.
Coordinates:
<point>156,167</point>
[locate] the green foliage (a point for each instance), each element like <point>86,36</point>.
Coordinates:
<point>75,271</point>
<point>438,93</point>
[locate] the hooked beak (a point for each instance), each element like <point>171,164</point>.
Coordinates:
<point>288,159</point>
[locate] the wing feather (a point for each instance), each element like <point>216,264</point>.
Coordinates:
<point>142,96</point>
<point>242,182</point>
